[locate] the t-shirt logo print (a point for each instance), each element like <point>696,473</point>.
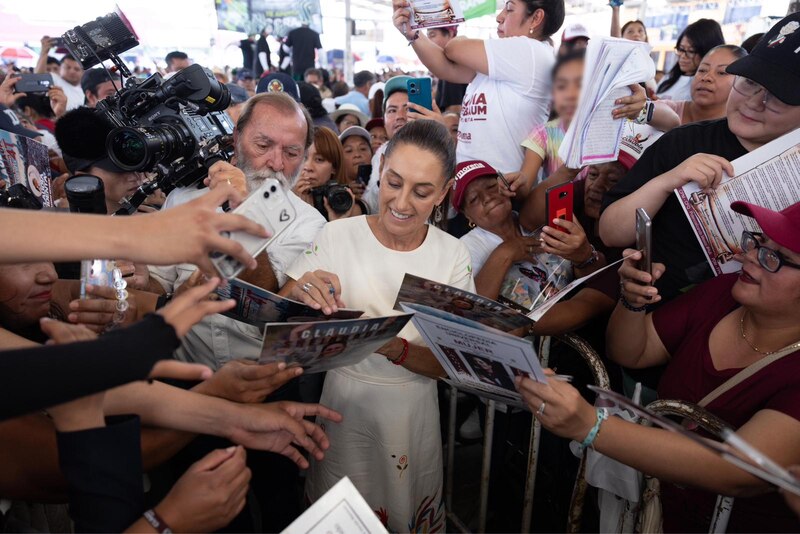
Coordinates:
<point>787,29</point>
<point>474,108</point>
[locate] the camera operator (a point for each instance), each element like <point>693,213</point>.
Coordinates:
<point>323,178</point>
<point>97,85</point>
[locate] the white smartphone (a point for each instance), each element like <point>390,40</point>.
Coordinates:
<point>97,273</point>
<point>268,206</point>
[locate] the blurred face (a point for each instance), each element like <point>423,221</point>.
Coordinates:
<point>412,183</point>
<point>567,89</point>
<point>755,123</point>
<point>233,111</point>
<point>53,68</point>
<point>766,292</point>
<point>688,58</point>
<point>451,121</point>
<point>316,168</point>
<point>332,349</point>
<point>248,84</point>
<point>117,185</point>
<point>635,32</point>
<point>273,142</point>
<point>314,80</point>
<point>599,180</point>
<point>104,90</point>
<point>25,292</point>
<point>711,85</point>
<point>346,121</point>
<point>439,36</point>
<point>378,136</point>
<point>395,116</point>
<point>356,152</point>
<point>178,64</point>
<point>512,20</point>
<point>71,71</point>
<point>484,205</point>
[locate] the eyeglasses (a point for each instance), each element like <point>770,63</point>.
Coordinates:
<point>749,88</point>
<point>688,52</point>
<point>769,259</point>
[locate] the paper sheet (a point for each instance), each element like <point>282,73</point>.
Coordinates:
<point>768,177</point>
<point>435,13</point>
<point>342,510</point>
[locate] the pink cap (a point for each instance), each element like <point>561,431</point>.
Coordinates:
<point>783,226</point>
<point>466,173</point>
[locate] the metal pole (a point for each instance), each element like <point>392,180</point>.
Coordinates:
<point>533,449</point>
<point>487,465</point>
<point>348,49</point>
<point>451,448</point>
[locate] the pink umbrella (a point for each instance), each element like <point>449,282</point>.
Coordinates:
<point>12,52</point>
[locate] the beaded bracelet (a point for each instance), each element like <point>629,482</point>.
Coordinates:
<point>628,306</point>
<point>403,356</point>
<point>602,415</point>
<point>119,285</point>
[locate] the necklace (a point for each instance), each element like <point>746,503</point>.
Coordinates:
<point>744,336</point>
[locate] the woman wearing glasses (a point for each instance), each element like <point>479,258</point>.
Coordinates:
<point>694,42</point>
<point>763,105</point>
<point>705,338</point>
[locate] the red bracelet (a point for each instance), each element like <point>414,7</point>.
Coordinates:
<point>400,359</point>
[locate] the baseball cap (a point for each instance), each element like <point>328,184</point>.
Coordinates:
<point>466,173</point>
<point>354,130</point>
<point>375,123</point>
<point>244,74</point>
<point>94,77</point>
<point>574,31</point>
<point>774,62</point>
<point>10,123</point>
<point>349,109</point>
<point>81,135</point>
<point>783,226</point>
<point>634,143</point>
<point>279,82</point>
<point>398,83</point>
<point>238,93</point>
<point>374,88</point>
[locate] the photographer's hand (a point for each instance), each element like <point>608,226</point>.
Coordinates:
<point>58,100</point>
<point>333,216</point>
<point>223,172</point>
<point>7,95</point>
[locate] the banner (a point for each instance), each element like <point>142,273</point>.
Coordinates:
<point>478,8</point>
<point>279,17</point>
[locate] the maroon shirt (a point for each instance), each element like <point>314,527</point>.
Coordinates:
<point>684,325</point>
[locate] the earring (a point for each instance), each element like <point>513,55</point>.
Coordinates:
<point>530,31</point>
<point>438,214</point>
<point>471,224</point>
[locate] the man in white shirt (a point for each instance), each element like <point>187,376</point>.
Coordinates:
<point>68,77</point>
<point>271,137</point>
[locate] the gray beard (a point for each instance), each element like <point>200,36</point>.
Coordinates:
<point>255,177</point>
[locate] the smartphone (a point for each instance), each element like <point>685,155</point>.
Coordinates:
<point>363,174</point>
<point>97,273</point>
<point>269,206</point>
<point>34,83</point>
<point>558,202</point>
<point>420,92</point>
<point>644,240</point>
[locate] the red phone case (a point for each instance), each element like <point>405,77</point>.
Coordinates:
<point>559,203</point>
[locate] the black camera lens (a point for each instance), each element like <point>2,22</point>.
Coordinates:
<point>339,198</point>
<point>86,194</point>
<point>140,149</point>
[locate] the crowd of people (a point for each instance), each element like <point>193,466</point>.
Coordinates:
<point>105,384</point>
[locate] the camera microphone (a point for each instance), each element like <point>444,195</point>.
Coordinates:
<point>86,194</point>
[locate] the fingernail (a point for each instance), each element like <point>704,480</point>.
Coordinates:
<point>281,366</point>
<point>89,288</point>
<point>46,319</point>
<point>73,317</point>
<point>206,374</point>
<point>231,449</point>
<point>73,305</point>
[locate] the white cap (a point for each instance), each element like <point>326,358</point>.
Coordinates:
<point>374,89</point>
<point>574,31</point>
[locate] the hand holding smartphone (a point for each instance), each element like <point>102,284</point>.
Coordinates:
<point>34,83</point>
<point>558,203</point>
<point>420,92</point>
<point>644,240</point>
<point>363,174</point>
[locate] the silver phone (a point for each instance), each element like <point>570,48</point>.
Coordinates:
<point>269,206</point>
<point>644,240</point>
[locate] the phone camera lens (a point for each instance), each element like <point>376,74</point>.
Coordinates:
<point>266,194</point>
<point>273,188</point>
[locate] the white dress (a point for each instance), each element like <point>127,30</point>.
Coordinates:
<point>389,442</point>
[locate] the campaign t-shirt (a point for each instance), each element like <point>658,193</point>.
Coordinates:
<point>674,242</point>
<point>304,41</point>
<point>500,109</point>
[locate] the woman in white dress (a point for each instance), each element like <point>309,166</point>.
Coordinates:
<point>389,442</point>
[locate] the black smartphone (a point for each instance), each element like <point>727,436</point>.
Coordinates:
<point>644,240</point>
<point>363,174</point>
<point>34,83</point>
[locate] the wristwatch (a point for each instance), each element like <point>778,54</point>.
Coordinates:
<point>646,115</point>
<point>592,258</point>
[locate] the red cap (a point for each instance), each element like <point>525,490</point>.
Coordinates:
<point>374,123</point>
<point>466,173</point>
<point>783,227</point>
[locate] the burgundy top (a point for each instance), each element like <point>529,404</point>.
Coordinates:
<point>684,325</point>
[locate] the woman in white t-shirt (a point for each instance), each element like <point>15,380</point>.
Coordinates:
<point>389,442</point>
<point>509,78</point>
<point>693,43</point>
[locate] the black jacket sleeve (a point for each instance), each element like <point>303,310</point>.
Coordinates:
<point>36,378</point>
<point>103,467</point>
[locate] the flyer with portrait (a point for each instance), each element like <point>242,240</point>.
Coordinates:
<point>321,346</point>
<point>27,162</point>
<point>257,306</point>
<point>435,13</point>
<point>769,177</point>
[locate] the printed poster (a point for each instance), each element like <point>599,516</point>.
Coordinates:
<point>435,13</point>
<point>27,162</point>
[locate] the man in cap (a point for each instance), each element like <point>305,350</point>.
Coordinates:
<point>245,80</point>
<point>574,37</point>
<point>279,82</point>
<point>97,85</point>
